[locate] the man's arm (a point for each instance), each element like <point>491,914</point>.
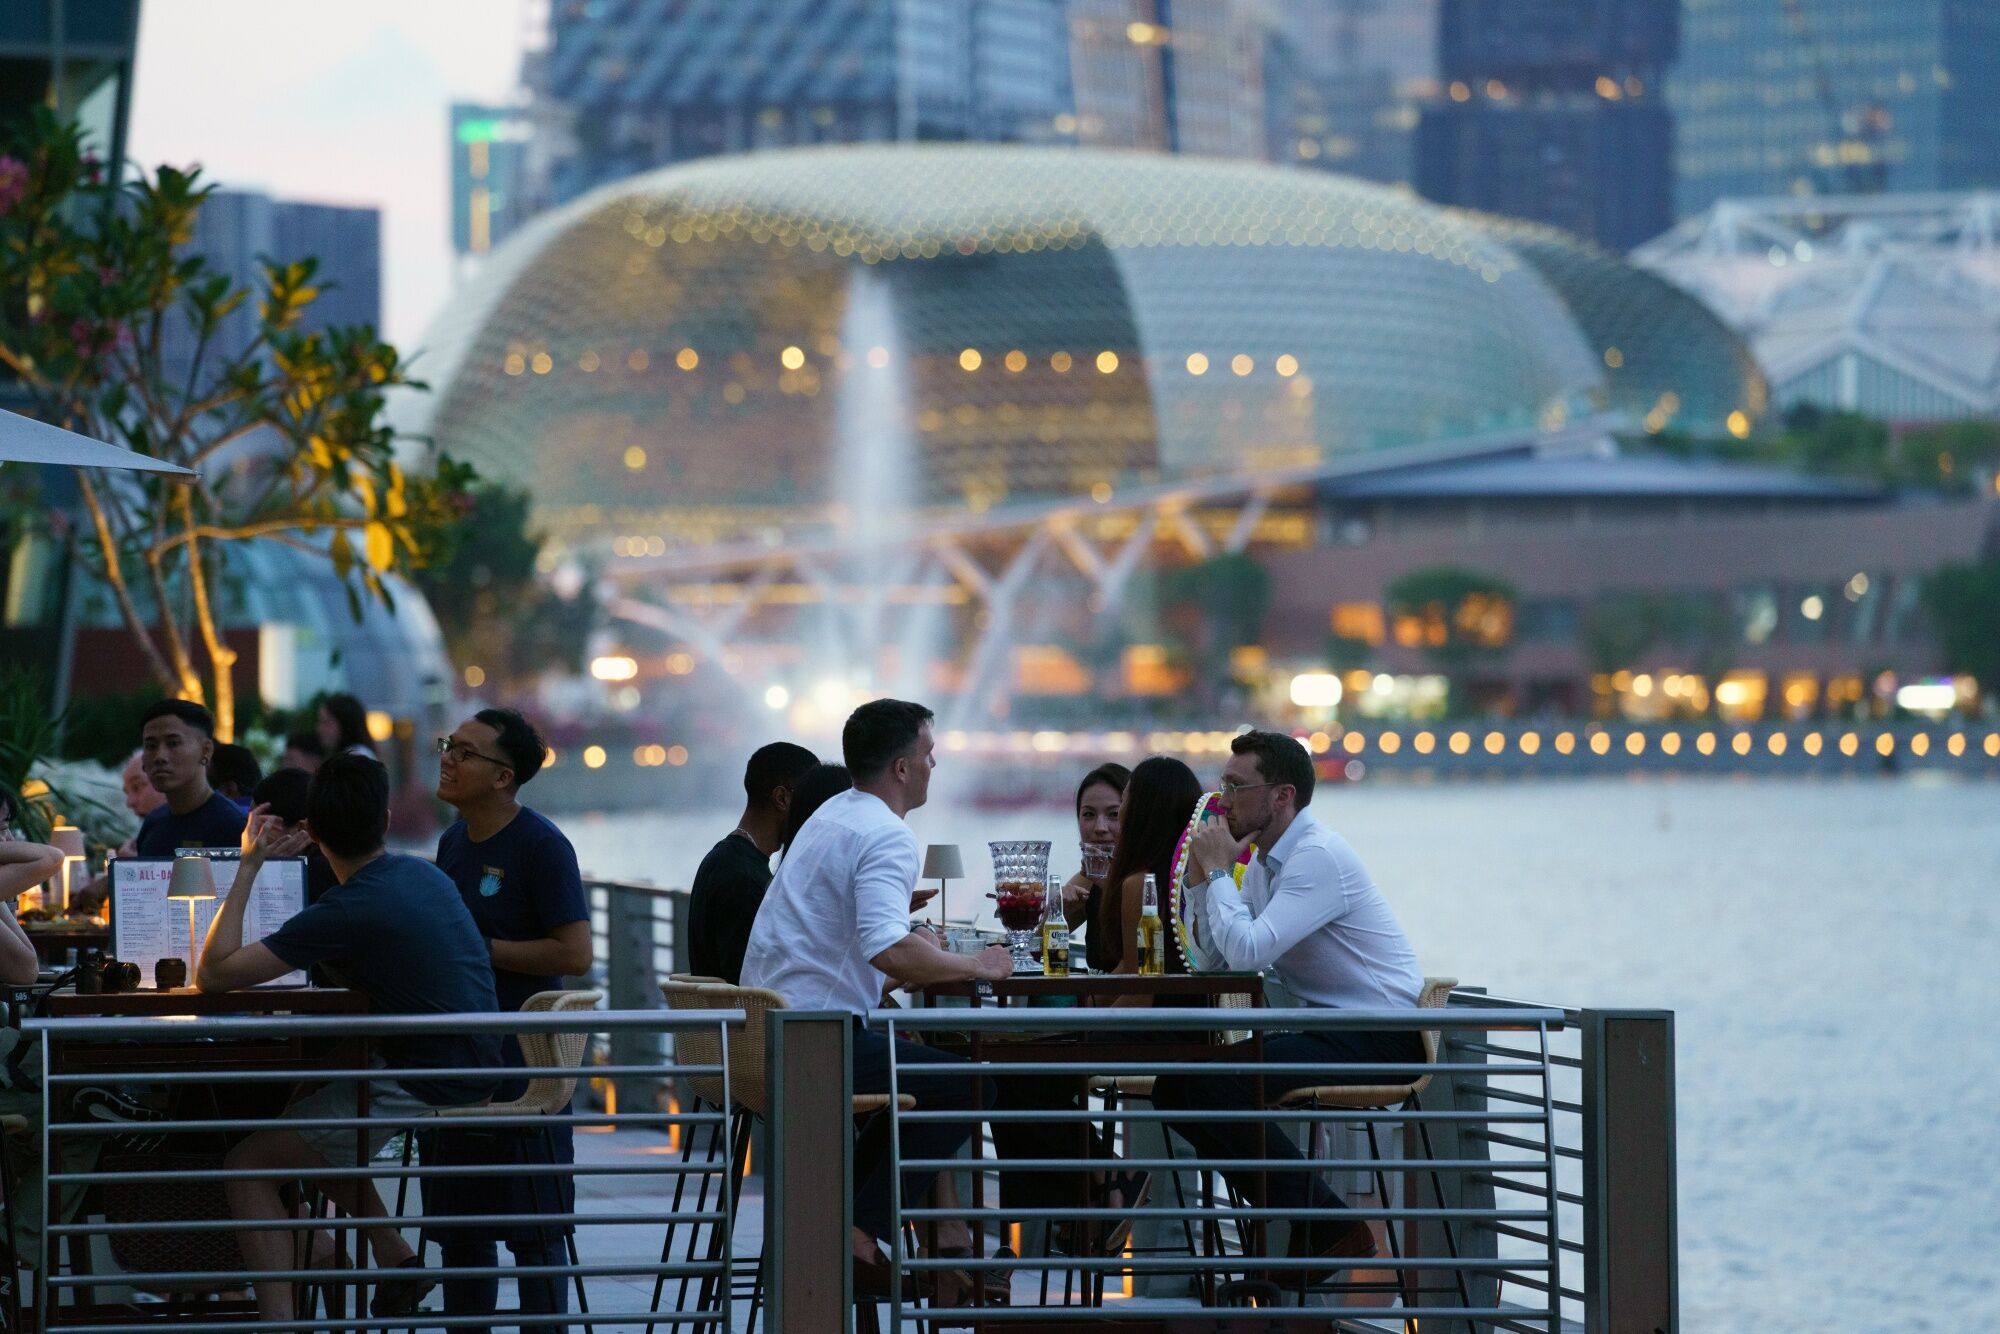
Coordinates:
<point>914,961</point>
<point>226,964</point>
<point>1308,895</point>
<point>564,952</point>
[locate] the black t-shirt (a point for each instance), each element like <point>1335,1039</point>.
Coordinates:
<point>397,933</point>
<point>722,907</point>
<point>520,884</point>
<point>216,823</point>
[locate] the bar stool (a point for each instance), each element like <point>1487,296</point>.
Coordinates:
<point>746,1099</point>
<point>1436,993</point>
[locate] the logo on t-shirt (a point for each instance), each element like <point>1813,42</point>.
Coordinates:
<point>489,884</point>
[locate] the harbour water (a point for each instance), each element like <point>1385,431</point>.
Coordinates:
<point>1829,949</point>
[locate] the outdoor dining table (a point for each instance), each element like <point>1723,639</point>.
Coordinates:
<point>127,1061</point>
<point>1087,1048</point>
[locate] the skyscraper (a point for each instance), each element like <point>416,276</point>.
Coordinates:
<point>628,87</point>
<point>1346,82</point>
<point>1177,76</point>
<point>1791,97</point>
<point>489,176</point>
<point>1554,114</point>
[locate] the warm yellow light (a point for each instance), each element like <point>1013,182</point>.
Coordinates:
<point>1849,743</point>
<point>1288,365</point>
<point>1600,743</point>
<point>1388,743</point>
<point>1565,743</point>
<point>635,457</point>
<point>593,757</point>
<point>1530,742</point>
<point>1316,690</point>
<point>1495,743</point>
<point>1813,607</point>
<point>614,667</point>
<point>1670,743</point>
<point>1424,742</point>
<point>638,360</point>
<point>1460,743</point>
<point>1142,34</point>
<point>1777,743</point>
<point>380,725</point>
<point>1017,361</point>
<point>1318,742</point>
<point>687,359</point>
<point>1885,745</point>
<point>1740,743</point>
<point>1241,364</point>
<point>1197,363</point>
<point>1635,743</point>
<point>1705,743</point>
<point>543,363</point>
<point>587,363</point>
<point>969,359</point>
<point>677,755</point>
<point>1060,363</point>
<point>1353,743</point>
<point>1614,358</point>
<point>1956,745</point>
<point>1920,744</point>
<point>1993,743</point>
<point>475,676</point>
<point>792,358</point>
<point>1739,424</point>
<point>1100,492</point>
<point>1107,362</point>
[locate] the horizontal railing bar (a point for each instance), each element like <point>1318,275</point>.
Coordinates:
<point>1225,1211</point>
<point>676,1168</point>
<point>529,1121</point>
<point>1198,1068</point>
<point>375,1074</point>
<point>1204,1017</point>
<point>178,1028</point>
<point>1226,1165</point>
<point>1116,1311</point>
<point>1276,1114</point>
<point>369,1278</point>
<point>1169,1264</point>
<point>427,1319</point>
<point>434,1224</point>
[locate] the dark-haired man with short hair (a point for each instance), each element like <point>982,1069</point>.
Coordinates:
<point>729,885</point>
<point>176,742</point>
<point>234,772</point>
<point>395,930</point>
<point>835,929</point>
<point>518,876</point>
<point>1309,912</point>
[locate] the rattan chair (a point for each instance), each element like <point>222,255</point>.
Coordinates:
<point>1436,994</point>
<point>545,1095</point>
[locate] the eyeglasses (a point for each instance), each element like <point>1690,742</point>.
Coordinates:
<point>1229,789</point>
<point>458,752</point>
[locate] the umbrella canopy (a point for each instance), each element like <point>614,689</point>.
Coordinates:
<point>25,440</point>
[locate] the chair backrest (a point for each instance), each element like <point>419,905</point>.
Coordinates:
<point>546,1093</point>
<point>1436,994</point>
<point>702,1046</point>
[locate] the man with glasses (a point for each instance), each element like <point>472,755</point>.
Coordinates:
<point>517,874</point>
<point>1308,912</point>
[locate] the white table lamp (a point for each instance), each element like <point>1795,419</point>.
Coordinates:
<point>68,840</point>
<point>193,879</point>
<point>942,863</point>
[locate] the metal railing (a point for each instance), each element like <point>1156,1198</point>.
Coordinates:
<point>639,935</point>
<point>157,1192</point>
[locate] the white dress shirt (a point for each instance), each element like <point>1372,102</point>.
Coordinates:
<point>841,897</point>
<point>1309,911</point>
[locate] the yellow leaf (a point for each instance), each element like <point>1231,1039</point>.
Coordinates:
<point>365,488</point>
<point>322,457</point>
<point>381,546</point>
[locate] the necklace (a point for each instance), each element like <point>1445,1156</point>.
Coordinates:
<point>748,837</point>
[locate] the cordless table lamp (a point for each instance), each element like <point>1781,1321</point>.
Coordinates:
<point>941,863</point>
<point>68,839</point>
<point>193,879</point>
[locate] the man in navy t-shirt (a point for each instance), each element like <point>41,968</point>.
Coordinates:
<point>177,740</point>
<point>517,874</point>
<point>395,930</point>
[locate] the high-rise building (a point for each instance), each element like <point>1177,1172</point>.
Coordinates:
<point>1177,76</point>
<point>1554,113</point>
<point>1794,97</point>
<point>1346,82</point>
<point>490,149</point>
<point>623,88</point>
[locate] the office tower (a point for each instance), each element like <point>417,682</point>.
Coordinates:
<point>1346,82</point>
<point>1554,113</point>
<point>490,148</point>
<point>1795,97</point>
<point>1177,76</point>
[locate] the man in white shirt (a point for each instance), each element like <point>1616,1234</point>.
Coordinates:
<point>1309,912</point>
<point>834,930</point>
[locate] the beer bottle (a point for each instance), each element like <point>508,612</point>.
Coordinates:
<point>1055,933</point>
<point>1152,935</point>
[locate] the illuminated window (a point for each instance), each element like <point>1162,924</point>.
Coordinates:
<point>1360,622</point>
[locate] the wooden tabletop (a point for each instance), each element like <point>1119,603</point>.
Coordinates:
<point>1165,987</point>
<point>187,1001</point>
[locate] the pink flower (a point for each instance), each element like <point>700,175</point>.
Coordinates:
<point>13,182</point>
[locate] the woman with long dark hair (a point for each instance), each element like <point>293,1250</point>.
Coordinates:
<point>342,725</point>
<point>1099,799</point>
<point>1159,801</point>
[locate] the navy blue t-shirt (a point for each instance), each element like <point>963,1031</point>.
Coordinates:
<point>520,884</point>
<point>396,932</point>
<point>216,823</point>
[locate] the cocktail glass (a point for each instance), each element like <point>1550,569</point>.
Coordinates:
<point>1020,889</point>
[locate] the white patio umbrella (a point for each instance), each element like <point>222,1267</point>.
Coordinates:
<point>25,440</point>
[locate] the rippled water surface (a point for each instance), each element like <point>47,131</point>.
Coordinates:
<point>1829,950</point>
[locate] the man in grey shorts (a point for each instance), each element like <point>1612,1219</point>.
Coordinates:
<point>394,929</point>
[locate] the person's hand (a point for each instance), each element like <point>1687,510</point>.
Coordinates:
<point>1076,892</point>
<point>919,897</point>
<point>992,963</point>
<point>1213,848</point>
<point>266,836</point>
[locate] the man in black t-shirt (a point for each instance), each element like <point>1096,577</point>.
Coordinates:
<point>729,886</point>
<point>176,742</point>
